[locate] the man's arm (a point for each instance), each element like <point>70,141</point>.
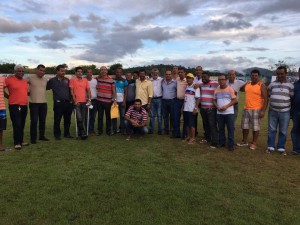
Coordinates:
<point>73,96</point>
<point>89,94</point>
<point>114,94</point>
<point>125,96</point>
<point>264,94</point>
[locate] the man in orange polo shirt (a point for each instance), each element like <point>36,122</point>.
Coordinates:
<point>17,103</point>
<point>80,88</point>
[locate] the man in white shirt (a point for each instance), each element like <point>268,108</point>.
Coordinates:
<point>156,101</point>
<point>236,85</point>
<point>93,111</point>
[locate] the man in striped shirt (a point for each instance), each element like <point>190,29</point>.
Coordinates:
<point>208,111</point>
<point>106,94</point>
<point>136,119</point>
<point>280,94</point>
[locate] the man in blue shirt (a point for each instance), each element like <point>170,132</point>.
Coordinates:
<point>121,90</point>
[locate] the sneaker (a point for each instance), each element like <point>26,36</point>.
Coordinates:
<point>242,144</point>
<point>44,139</point>
<point>18,147</point>
<point>270,150</point>
<point>25,144</point>
<point>252,147</point>
<point>213,147</point>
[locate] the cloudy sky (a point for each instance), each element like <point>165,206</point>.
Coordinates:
<point>219,34</point>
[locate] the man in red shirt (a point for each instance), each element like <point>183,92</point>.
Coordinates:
<point>81,94</point>
<point>17,103</point>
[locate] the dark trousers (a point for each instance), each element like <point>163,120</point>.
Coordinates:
<point>62,109</point>
<point>226,120</point>
<point>209,118</point>
<point>176,122</point>
<point>104,107</point>
<point>93,113</point>
<point>167,112</point>
<point>38,113</point>
<point>81,118</point>
<point>18,115</point>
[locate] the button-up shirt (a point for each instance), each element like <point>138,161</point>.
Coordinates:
<point>181,86</point>
<point>157,89</point>
<point>169,90</point>
<point>144,90</point>
<point>60,88</point>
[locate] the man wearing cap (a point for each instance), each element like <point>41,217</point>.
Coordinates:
<point>38,104</point>
<point>17,103</point>
<point>62,105</point>
<point>190,108</point>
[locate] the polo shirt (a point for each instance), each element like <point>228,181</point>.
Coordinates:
<point>105,87</point>
<point>60,88</point>
<point>18,90</point>
<point>37,88</point>
<point>181,86</point>
<point>2,86</point>
<point>224,97</point>
<point>120,88</point>
<point>144,90</point>
<point>207,94</point>
<point>190,96</point>
<point>140,116</point>
<point>80,87</point>
<point>169,90</point>
<point>280,96</point>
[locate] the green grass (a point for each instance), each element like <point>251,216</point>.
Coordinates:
<point>149,180</point>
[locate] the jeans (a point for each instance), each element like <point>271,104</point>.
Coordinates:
<point>296,132</point>
<point>131,129</point>
<point>156,104</point>
<point>210,125</point>
<point>276,119</point>
<point>92,116</point>
<point>115,120</point>
<point>104,107</point>
<point>81,118</point>
<point>38,113</point>
<point>62,109</point>
<point>178,103</point>
<point>228,121</point>
<point>168,112</point>
<point>18,115</point>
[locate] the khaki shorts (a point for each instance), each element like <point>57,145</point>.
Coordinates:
<point>250,118</point>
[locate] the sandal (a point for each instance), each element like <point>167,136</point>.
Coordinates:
<point>203,141</point>
<point>192,141</point>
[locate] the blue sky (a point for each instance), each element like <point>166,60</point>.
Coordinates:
<point>219,35</point>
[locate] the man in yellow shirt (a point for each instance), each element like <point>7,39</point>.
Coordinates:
<point>144,90</point>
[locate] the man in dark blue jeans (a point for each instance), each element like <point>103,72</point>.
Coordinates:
<point>296,118</point>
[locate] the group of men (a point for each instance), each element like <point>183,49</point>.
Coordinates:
<point>162,98</point>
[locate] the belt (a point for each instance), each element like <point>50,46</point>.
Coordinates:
<point>62,100</point>
<point>157,97</point>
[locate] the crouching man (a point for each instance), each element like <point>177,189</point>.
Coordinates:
<point>136,119</point>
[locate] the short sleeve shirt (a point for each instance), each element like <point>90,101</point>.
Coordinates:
<point>190,96</point>
<point>224,97</point>
<point>18,91</point>
<point>79,87</point>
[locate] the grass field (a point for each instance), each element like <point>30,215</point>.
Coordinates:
<point>149,180</point>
